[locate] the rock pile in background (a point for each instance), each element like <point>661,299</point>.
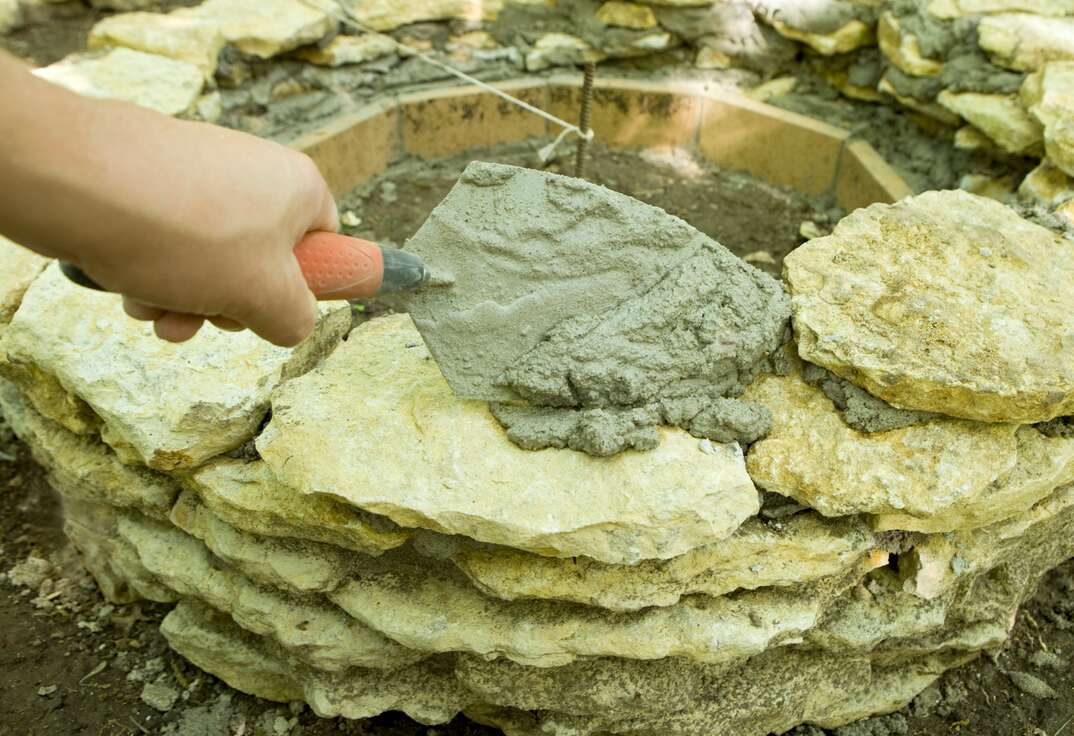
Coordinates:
<point>335,526</point>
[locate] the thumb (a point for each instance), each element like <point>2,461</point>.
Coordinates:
<point>281,309</point>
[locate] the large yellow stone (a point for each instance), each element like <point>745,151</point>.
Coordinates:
<point>248,496</point>
<point>166,85</point>
<point>812,456</point>
<point>1001,117</point>
<point>18,268</point>
<point>849,37</point>
<point>167,406</point>
<point>266,28</point>
<point>1047,185</point>
<point>950,9</point>
<point>1026,42</point>
<point>80,467</point>
<point>192,40</point>
<point>626,15</point>
<point>903,49</point>
<point>315,631</point>
<point>387,15</point>
<point>943,302</point>
<point>377,426</point>
<point>1049,96</point>
<point>758,555</point>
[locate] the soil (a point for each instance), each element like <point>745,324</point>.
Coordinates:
<point>757,221</point>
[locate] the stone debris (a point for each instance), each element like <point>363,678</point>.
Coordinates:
<point>979,325</point>
<point>387,15</point>
<point>343,50</point>
<point>407,448</point>
<point>1032,685</point>
<point>1047,185</point>
<point>903,49</point>
<point>169,86</point>
<point>163,405</point>
<point>1000,117</point>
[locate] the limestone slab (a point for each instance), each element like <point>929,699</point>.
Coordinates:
<point>428,692</point>
<point>82,467</point>
<point>848,37</point>
<point>950,9</point>
<point>1047,185</point>
<point>18,268</point>
<point>315,631</point>
<point>1001,117</point>
<point>248,497</point>
<point>627,15</point>
<point>193,40</point>
<point>169,86</point>
<point>1026,42</point>
<point>301,567</point>
<point>439,614</point>
<point>377,427</point>
<point>903,49</point>
<point>265,28</point>
<point>1049,95</point>
<point>943,302</point>
<point>758,555</point>
<point>343,50</point>
<point>167,406</point>
<point>812,456</point>
<point>387,15</point>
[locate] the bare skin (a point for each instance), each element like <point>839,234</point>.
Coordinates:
<point>189,221</point>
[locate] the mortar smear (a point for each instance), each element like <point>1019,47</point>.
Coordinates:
<point>590,317</point>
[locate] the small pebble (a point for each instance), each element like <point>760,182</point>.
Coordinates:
<point>1032,685</point>
<point>160,695</point>
<point>44,692</point>
<point>1049,660</point>
<point>350,219</point>
<point>759,256</point>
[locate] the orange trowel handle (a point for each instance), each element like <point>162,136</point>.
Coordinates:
<point>340,267</point>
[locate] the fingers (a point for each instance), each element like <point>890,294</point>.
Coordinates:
<point>176,327</point>
<point>283,311</point>
<point>139,311</point>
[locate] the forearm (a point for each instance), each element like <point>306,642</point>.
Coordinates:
<point>76,170</point>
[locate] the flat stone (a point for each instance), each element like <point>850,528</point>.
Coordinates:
<point>851,36</point>
<point>166,85</point>
<point>167,406</point>
<point>1026,42</point>
<point>903,49</point>
<point>950,9</point>
<point>387,15</point>
<point>1001,117</point>
<point>1047,185</point>
<point>758,555</point>
<point>812,456</point>
<point>318,633</point>
<point>427,693</point>
<point>264,28</point>
<point>192,40</point>
<point>1044,464</point>
<point>343,50</point>
<point>943,302</point>
<point>18,268</point>
<point>627,15</point>
<point>248,497</point>
<point>436,613</point>
<point>10,15</point>
<point>82,467</point>
<point>1049,96</point>
<point>561,49</point>
<point>301,567</point>
<point>377,426</point>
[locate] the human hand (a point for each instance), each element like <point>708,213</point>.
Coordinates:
<point>188,221</point>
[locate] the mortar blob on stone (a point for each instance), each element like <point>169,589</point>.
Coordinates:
<point>589,317</point>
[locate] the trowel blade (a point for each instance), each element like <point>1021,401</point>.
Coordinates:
<point>529,250</point>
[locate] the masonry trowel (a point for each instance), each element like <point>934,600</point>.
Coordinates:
<point>335,267</point>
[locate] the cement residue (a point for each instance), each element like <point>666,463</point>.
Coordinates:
<point>861,410</point>
<point>606,316</point>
